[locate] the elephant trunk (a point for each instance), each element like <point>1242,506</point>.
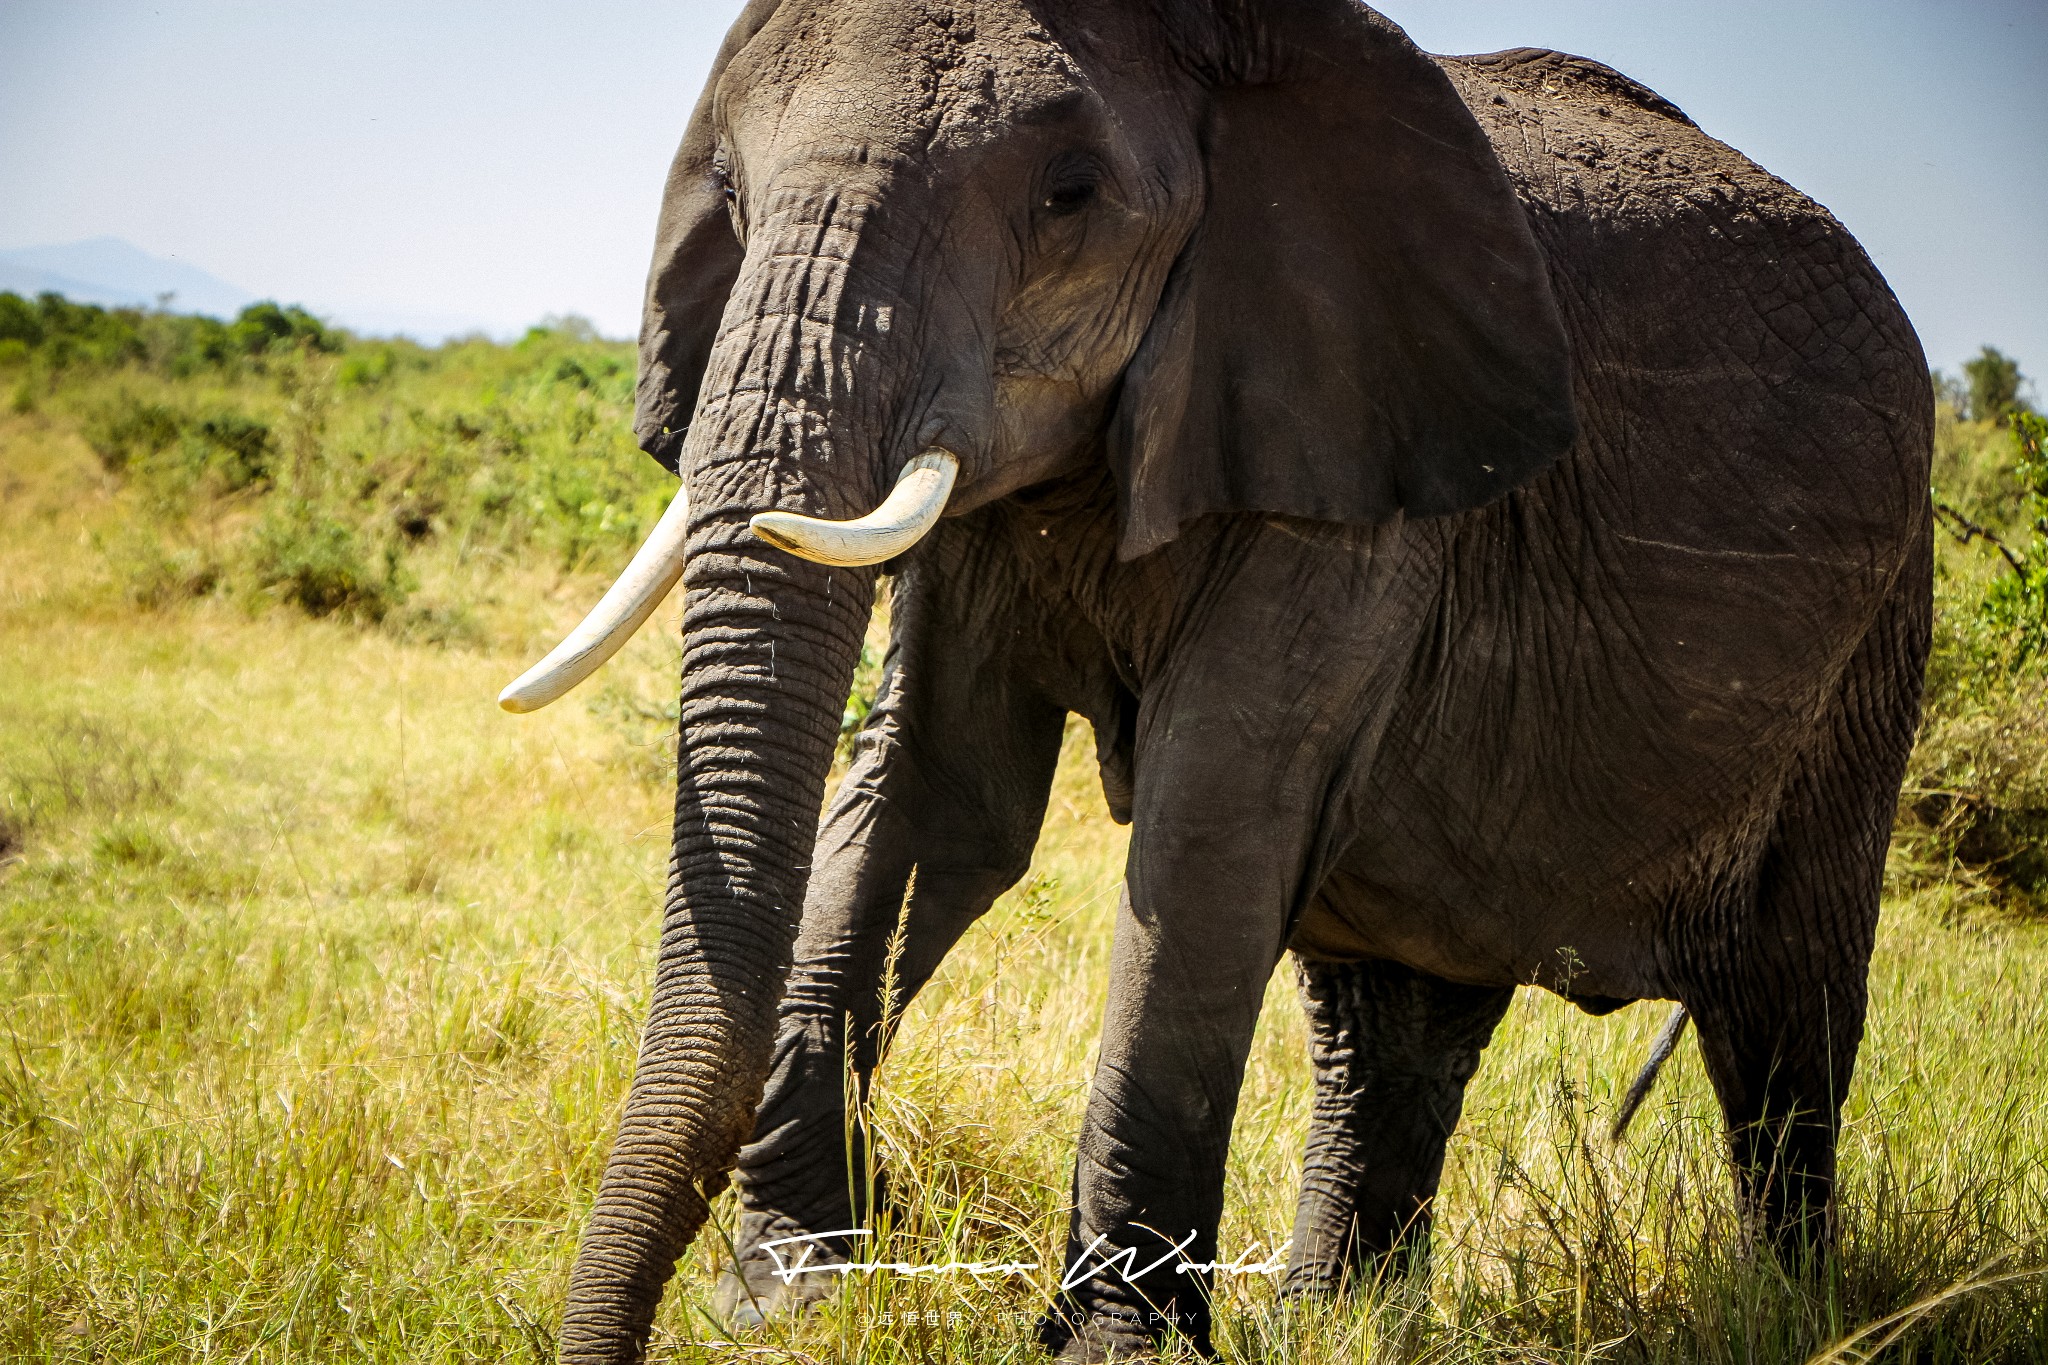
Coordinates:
<point>770,645</point>
<point>769,656</point>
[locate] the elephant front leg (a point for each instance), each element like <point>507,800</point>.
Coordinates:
<point>1393,1049</point>
<point>1248,739</point>
<point>1148,1182</point>
<point>1220,854</point>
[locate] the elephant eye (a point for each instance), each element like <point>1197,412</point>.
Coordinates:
<point>1069,199</point>
<point>722,176</point>
<point>1071,187</point>
<point>721,172</point>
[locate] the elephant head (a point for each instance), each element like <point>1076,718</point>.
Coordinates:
<point>1255,254</point>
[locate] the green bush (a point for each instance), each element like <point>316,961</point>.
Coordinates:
<point>20,321</point>
<point>125,429</point>
<point>2017,603</point>
<point>1994,381</point>
<point>324,471</point>
<point>319,564</point>
<point>366,366</point>
<point>1980,798</point>
<point>62,335</point>
<point>266,326</point>
<point>185,345</point>
<point>1976,799</point>
<point>239,448</point>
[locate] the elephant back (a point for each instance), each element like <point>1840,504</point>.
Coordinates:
<point>1727,331</point>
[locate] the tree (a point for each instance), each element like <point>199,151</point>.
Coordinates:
<point>1993,380</point>
<point>264,326</point>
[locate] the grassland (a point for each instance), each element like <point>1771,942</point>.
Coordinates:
<point>320,978</point>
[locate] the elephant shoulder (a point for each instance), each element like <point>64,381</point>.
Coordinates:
<point>1585,143</point>
<point>1540,72</point>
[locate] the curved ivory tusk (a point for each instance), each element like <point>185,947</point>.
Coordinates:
<point>900,522</point>
<point>625,606</point>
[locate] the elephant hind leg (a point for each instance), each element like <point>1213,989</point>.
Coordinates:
<point>1779,1033</point>
<point>1780,998</point>
<point>1394,1049</point>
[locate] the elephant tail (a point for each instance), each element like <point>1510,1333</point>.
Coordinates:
<point>1646,1079</point>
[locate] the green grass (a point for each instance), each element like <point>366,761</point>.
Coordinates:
<point>321,978</point>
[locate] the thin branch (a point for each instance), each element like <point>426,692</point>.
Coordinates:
<point>1965,530</point>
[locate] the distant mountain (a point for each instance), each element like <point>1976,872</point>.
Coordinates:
<point>109,271</point>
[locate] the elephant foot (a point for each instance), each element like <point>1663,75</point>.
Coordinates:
<point>1095,1346</point>
<point>756,1295</point>
<point>1324,1279</point>
<point>761,1286</point>
<point>1114,1335</point>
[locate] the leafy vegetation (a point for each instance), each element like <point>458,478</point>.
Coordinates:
<point>321,979</point>
<point>55,334</point>
<point>1975,813</point>
<point>276,459</point>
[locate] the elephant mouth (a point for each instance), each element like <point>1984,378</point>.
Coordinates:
<point>913,506</point>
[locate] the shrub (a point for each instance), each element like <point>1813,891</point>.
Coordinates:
<point>126,428</point>
<point>240,449</point>
<point>450,625</point>
<point>2017,603</point>
<point>317,563</point>
<point>184,345</point>
<point>1988,390</point>
<point>266,326</point>
<point>1976,799</point>
<point>1978,795</point>
<point>63,333</point>
<point>343,469</point>
<point>366,367</point>
<point>83,766</point>
<point>20,321</point>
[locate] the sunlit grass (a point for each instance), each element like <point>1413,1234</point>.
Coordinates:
<point>320,984</point>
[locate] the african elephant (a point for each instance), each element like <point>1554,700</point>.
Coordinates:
<point>1485,518</point>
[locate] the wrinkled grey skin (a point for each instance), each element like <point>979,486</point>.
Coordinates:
<point>1484,518</point>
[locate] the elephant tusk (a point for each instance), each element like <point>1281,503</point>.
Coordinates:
<point>626,605</point>
<point>909,511</point>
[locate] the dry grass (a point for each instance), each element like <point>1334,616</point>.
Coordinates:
<point>320,982</point>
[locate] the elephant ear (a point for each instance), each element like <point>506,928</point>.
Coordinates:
<point>1362,323</point>
<point>697,257</point>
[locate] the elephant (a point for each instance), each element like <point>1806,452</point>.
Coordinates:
<point>1484,518</point>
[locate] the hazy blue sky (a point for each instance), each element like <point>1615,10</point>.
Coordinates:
<point>503,161</point>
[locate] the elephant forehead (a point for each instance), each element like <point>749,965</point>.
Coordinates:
<point>898,77</point>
